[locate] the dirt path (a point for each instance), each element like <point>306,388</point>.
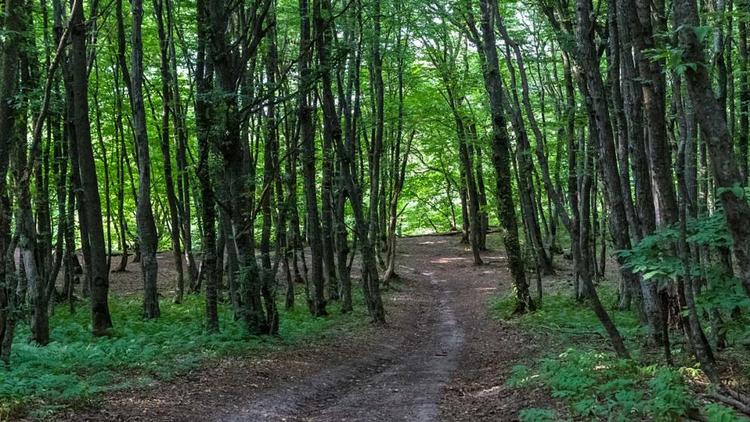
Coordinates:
<point>401,380</point>
<point>441,357</point>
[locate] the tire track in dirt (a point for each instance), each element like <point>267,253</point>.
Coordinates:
<point>402,380</point>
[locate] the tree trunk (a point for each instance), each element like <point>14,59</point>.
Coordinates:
<point>601,127</point>
<point>229,60</point>
<point>270,168</point>
<point>742,135</point>
<point>324,42</point>
<point>501,157</point>
<point>317,302</point>
<point>376,146</point>
<point>144,214</point>
<point>101,321</point>
<point>183,172</point>
<point>713,127</point>
<point>203,130</point>
<point>166,93</point>
<point>9,89</point>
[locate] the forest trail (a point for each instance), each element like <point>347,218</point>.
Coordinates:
<point>399,380</point>
<point>441,357</point>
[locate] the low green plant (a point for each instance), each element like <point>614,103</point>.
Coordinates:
<point>599,386</point>
<point>565,316</point>
<point>76,367</point>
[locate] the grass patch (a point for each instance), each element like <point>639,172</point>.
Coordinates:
<point>563,315</point>
<point>77,367</point>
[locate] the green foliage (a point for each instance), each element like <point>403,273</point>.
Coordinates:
<point>564,316</point>
<point>655,257</point>
<point>75,366</point>
<point>720,413</point>
<point>672,57</point>
<point>600,386</point>
<point>597,385</point>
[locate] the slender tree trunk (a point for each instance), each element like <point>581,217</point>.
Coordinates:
<point>91,207</point>
<point>697,337</point>
<point>601,132</point>
<point>324,41</point>
<point>501,156</point>
<point>317,302</point>
<point>714,129</point>
<point>166,93</point>
<point>183,172</point>
<point>470,194</point>
<point>270,168</point>
<point>742,135</point>
<point>376,146</point>
<point>203,73</point>
<point>526,166</point>
<point>144,214</point>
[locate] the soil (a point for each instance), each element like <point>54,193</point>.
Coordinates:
<point>442,356</point>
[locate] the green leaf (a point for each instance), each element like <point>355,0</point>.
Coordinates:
<point>702,32</point>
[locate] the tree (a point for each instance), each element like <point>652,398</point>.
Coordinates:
<point>204,70</point>
<point>144,214</point>
<point>316,299</point>
<point>501,151</point>
<point>91,208</point>
<point>9,59</point>
<point>167,103</point>
<point>713,127</point>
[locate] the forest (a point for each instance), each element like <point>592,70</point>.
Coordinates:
<point>416,210</point>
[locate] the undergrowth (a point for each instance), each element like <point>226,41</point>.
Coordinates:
<point>76,368</point>
<point>595,385</point>
<point>567,318</point>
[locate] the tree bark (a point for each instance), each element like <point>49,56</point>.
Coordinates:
<point>166,93</point>
<point>101,321</point>
<point>203,73</point>
<point>501,156</point>
<point>714,129</point>
<point>317,302</point>
<point>144,214</point>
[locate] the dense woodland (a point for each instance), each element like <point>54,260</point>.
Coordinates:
<point>278,150</point>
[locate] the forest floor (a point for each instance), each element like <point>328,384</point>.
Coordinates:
<point>442,356</point>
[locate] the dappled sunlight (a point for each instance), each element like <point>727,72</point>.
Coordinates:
<point>403,298</point>
<point>492,391</point>
<point>432,242</point>
<point>448,260</point>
